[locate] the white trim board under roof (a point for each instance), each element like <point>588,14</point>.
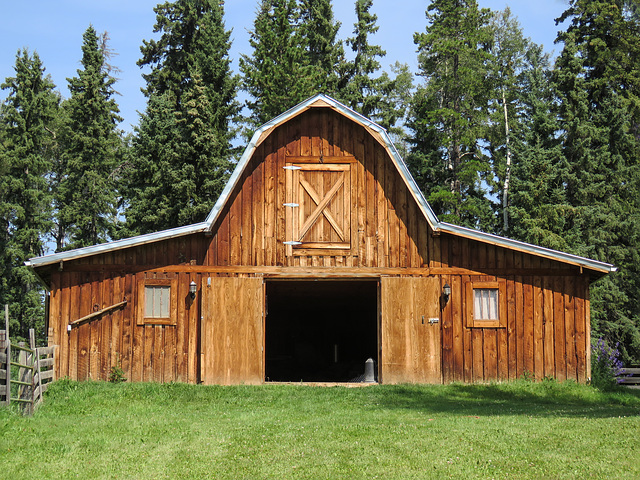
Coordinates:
<point>380,134</point>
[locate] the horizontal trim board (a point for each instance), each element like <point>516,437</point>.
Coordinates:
<point>317,160</point>
<point>342,271</point>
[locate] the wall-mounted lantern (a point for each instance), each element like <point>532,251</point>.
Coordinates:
<point>446,293</point>
<point>193,289</point>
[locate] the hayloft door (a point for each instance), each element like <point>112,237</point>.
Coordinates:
<point>232,342</point>
<point>319,212</point>
<point>410,332</point>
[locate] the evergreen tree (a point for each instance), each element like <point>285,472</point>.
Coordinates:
<point>381,98</point>
<point>323,51</point>
<point>182,150</point>
<point>154,167</point>
<point>26,142</point>
<point>538,206</point>
<point>449,113</point>
<point>193,39</point>
<point>598,78</point>
<point>86,193</point>
<point>277,75</point>
<point>362,93</point>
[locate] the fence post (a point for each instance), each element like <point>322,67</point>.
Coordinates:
<point>8,351</point>
<point>33,360</point>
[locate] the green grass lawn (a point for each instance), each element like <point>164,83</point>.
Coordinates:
<point>513,430</point>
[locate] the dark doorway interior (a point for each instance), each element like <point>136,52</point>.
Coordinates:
<point>320,331</point>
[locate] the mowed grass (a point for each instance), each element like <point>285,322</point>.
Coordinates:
<point>512,430</point>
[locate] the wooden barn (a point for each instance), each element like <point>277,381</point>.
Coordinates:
<point>320,253</point>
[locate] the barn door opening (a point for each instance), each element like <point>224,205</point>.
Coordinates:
<point>320,331</point>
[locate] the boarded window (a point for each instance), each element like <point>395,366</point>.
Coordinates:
<point>486,305</point>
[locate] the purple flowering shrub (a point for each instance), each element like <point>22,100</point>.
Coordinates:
<point>607,370</point>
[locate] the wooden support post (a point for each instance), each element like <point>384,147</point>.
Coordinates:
<point>31,360</point>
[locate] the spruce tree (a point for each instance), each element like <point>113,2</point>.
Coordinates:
<point>182,151</point>
<point>382,98</point>
<point>598,77</point>
<point>26,146</point>
<point>86,193</point>
<point>277,75</point>
<point>449,113</point>
<point>324,52</point>
<point>538,208</point>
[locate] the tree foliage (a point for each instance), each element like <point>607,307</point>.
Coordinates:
<point>276,75</point>
<point>323,51</point>
<point>449,113</point>
<point>26,147</point>
<point>538,207</point>
<point>507,63</point>
<point>85,196</point>
<point>598,79</point>
<point>182,150</point>
<point>381,98</point>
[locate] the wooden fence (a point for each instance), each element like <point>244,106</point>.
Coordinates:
<point>631,378</point>
<point>25,371</point>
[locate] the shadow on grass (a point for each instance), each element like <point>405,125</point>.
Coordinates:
<point>536,399</point>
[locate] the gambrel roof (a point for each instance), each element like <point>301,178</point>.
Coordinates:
<point>381,136</point>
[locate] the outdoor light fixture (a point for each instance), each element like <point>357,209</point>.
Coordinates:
<point>446,292</point>
<point>193,288</point>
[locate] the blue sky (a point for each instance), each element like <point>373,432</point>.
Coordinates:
<point>54,29</point>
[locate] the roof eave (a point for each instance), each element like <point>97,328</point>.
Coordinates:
<point>115,245</point>
<point>551,254</point>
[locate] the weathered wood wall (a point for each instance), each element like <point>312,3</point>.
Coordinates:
<point>145,352</point>
<point>253,225</point>
<point>547,331</point>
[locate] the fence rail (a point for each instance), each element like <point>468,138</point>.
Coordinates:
<point>25,371</point>
<point>632,378</point>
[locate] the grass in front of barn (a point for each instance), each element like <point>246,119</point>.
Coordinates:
<point>512,430</point>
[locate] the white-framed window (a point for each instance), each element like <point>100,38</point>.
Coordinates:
<point>486,304</point>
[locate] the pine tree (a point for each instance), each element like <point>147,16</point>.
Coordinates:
<point>449,113</point>
<point>182,149</point>
<point>86,194</point>
<point>26,145</point>
<point>276,75</point>
<point>598,78</point>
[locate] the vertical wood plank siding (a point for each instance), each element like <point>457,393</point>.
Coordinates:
<point>546,333</point>
<point>256,211</point>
